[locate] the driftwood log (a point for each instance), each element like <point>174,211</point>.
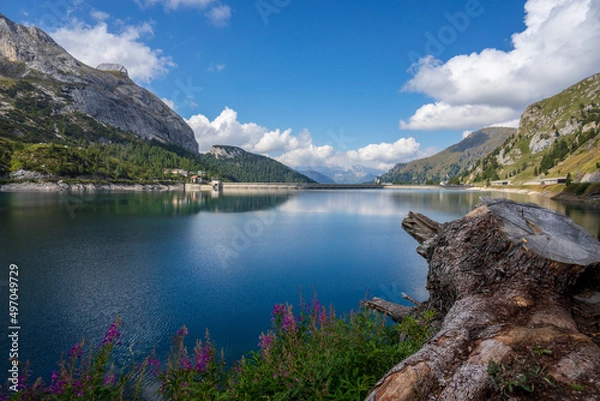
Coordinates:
<point>395,311</point>
<point>504,280</point>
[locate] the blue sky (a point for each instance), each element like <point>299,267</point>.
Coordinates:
<point>334,83</point>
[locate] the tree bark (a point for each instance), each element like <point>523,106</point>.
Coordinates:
<point>503,279</point>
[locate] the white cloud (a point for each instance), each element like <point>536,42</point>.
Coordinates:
<point>557,48</point>
<point>441,115</point>
<point>219,15</point>
<point>94,45</point>
<point>296,150</point>
<point>227,130</point>
<point>466,134</point>
<point>99,15</point>
<point>388,153</point>
<point>277,141</point>
<point>175,4</point>
<point>512,123</point>
<point>382,156</point>
<point>311,156</point>
<point>216,67</point>
<point>168,102</point>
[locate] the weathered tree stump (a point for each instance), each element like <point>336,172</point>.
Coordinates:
<point>502,279</point>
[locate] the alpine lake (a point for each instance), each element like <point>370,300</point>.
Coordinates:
<point>216,262</point>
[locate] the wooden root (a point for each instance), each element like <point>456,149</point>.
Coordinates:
<point>395,311</point>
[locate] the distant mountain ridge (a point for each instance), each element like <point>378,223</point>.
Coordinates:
<point>451,161</point>
<point>28,53</point>
<point>318,177</point>
<point>355,174</point>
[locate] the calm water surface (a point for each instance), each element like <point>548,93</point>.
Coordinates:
<point>161,260</point>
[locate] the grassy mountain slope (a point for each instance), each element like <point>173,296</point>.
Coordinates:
<point>35,137</point>
<point>452,161</point>
<point>236,164</point>
<point>556,137</point>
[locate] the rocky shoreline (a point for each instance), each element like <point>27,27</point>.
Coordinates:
<point>61,186</point>
<point>530,192</point>
<point>547,194</point>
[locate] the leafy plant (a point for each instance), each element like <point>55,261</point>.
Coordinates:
<point>200,376</point>
<point>576,387</point>
<point>522,375</point>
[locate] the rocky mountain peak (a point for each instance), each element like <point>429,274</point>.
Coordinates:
<point>106,93</point>
<point>31,45</point>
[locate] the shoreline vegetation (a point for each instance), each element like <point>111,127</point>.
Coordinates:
<point>575,192</point>
<point>309,353</point>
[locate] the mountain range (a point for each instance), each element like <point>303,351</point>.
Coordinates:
<point>60,118</point>
<point>557,138</point>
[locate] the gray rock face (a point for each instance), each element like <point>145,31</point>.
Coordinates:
<point>28,175</point>
<point>591,177</point>
<point>225,152</point>
<point>539,144</point>
<point>118,68</point>
<point>28,52</point>
<point>113,99</point>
